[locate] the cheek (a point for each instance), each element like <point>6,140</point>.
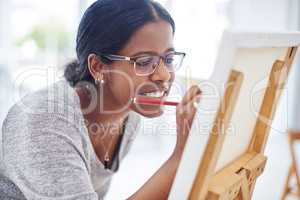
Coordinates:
<point>173,76</point>
<point>172,79</point>
<point>122,84</point>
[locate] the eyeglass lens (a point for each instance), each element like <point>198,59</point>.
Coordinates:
<point>147,64</point>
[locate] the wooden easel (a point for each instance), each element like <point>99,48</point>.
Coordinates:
<point>237,180</point>
<point>293,136</point>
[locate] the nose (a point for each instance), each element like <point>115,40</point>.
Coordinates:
<point>161,73</point>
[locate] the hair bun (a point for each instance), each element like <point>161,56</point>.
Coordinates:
<point>72,72</point>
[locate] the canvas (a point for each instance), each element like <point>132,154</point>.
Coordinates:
<point>251,68</point>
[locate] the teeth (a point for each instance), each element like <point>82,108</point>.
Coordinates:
<point>154,94</point>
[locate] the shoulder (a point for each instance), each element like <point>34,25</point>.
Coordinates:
<point>54,109</point>
<point>56,99</point>
<point>51,118</point>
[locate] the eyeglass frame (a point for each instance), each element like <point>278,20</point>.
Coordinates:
<point>112,57</point>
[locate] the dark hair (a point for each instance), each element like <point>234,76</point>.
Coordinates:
<point>106,27</point>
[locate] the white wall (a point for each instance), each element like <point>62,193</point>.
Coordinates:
<point>259,14</point>
<point>4,30</point>
<point>4,61</point>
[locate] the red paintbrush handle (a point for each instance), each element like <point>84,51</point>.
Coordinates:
<point>154,101</point>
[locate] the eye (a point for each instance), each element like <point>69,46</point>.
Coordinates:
<point>169,59</point>
<point>144,61</point>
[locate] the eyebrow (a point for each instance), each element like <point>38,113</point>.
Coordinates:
<point>151,52</point>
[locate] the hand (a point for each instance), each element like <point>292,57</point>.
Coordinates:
<point>185,113</point>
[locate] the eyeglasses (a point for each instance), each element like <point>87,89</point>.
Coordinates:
<point>146,64</point>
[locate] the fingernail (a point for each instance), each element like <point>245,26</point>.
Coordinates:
<point>195,104</point>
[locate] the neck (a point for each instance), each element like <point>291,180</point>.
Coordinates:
<point>101,107</point>
<point>104,111</point>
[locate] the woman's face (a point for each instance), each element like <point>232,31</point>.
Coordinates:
<point>155,38</point>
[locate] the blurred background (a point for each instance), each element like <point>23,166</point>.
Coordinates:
<point>38,37</point>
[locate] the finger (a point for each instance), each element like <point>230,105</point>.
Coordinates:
<point>186,117</point>
<point>191,93</point>
<point>189,109</point>
<point>187,106</point>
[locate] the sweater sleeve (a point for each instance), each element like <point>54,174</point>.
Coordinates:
<point>44,156</point>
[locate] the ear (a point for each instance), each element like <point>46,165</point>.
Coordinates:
<point>95,66</point>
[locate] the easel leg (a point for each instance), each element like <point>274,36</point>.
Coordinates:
<point>244,192</point>
<point>287,189</point>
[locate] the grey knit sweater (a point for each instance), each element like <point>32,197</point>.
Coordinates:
<point>47,153</point>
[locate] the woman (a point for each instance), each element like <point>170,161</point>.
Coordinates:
<point>66,141</point>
